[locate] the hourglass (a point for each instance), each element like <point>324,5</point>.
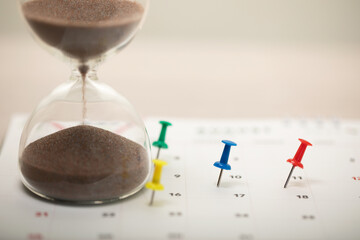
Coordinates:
<point>84,143</point>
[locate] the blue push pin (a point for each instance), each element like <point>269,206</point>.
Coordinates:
<point>223,163</point>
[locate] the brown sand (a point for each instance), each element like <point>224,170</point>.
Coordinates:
<point>84,163</point>
<point>83,29</point>
<point>83,69</point>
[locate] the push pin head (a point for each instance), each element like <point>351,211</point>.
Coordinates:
<point>296,161</point>
<point>155,184</point>
<point>160,143</point>
<point>223,163</point>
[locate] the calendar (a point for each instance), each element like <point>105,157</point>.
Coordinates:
<point>321,201</point>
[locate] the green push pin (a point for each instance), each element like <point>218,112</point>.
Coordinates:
<point>160,143</point>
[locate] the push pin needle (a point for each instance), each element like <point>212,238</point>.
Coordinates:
<point>155,184</point>
<point>223,163</point>
<point>160,143</point>
<point>296,161</point>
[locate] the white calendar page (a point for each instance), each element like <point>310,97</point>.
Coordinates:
<point>322,201</point>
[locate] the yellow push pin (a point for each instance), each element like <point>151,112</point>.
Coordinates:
<point>155,184</point>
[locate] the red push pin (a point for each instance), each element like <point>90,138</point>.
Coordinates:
<point>296,161</point>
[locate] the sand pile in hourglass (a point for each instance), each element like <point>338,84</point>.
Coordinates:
<point>83,163</point>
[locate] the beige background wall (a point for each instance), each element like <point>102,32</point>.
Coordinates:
<point>264,58</point>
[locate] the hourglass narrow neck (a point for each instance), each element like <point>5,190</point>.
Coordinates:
<point>76,75</point>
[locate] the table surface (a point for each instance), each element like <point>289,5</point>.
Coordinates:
<point>198,78</point>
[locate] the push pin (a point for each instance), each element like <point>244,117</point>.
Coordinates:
<point>223,163</point>
<point>160,143</point>
<point>155,184</point>
<point>296,161</point>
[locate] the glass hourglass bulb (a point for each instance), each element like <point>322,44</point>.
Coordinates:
<point>84,143</point>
